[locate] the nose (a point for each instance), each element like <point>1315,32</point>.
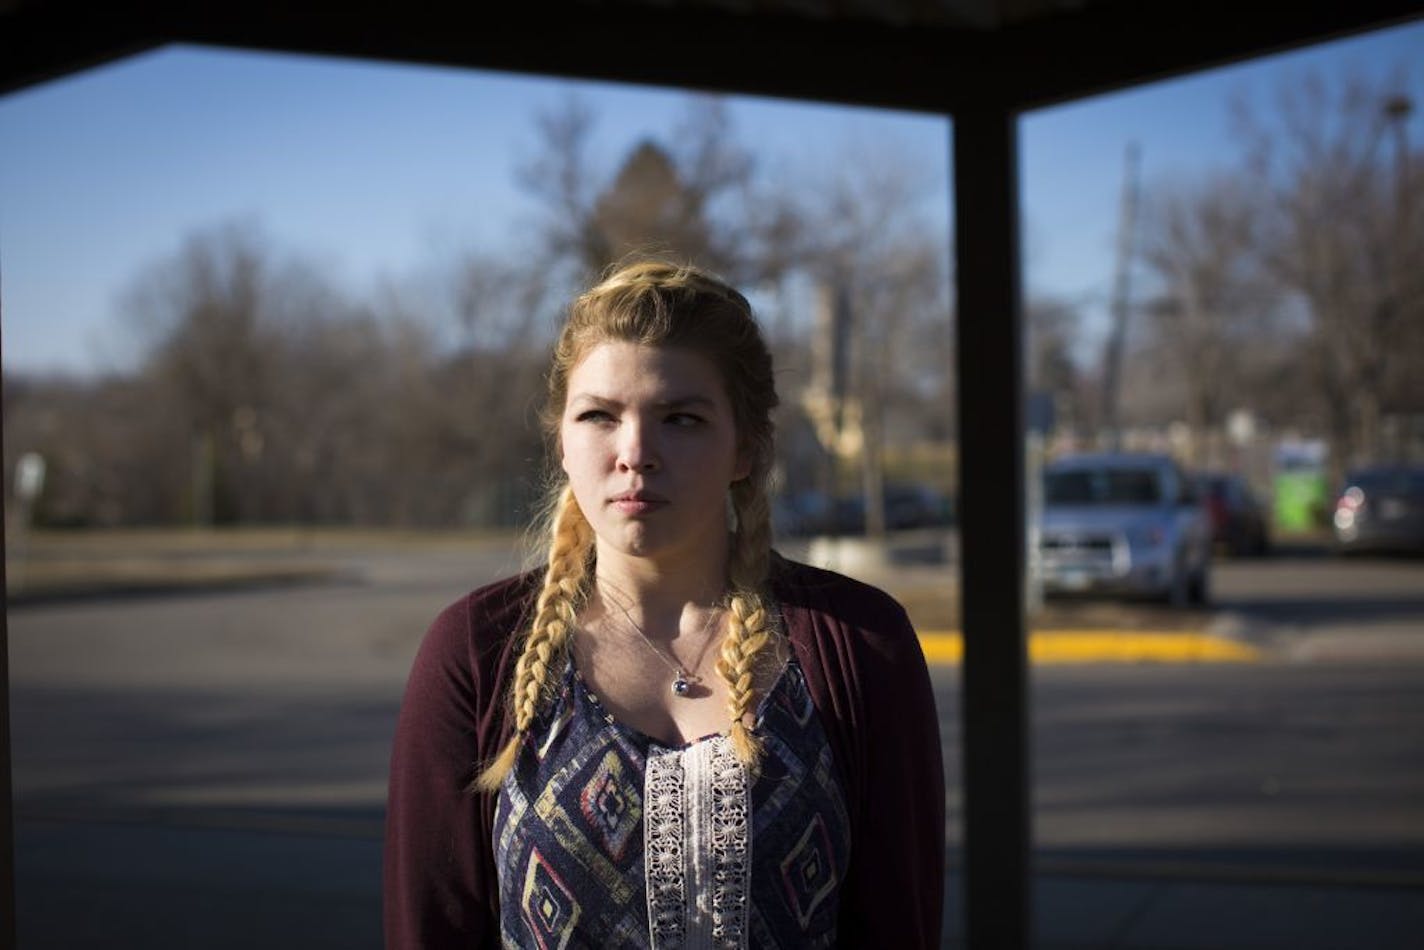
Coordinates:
<point>637,451</point>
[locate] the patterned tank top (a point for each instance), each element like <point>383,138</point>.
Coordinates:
<point>607,838</point>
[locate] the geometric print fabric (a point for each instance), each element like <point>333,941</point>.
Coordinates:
<point>570,828</point>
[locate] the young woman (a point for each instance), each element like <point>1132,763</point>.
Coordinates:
<point>669,736</point>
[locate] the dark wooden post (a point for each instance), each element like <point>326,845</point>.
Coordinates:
<point>7,813</point>
<point>991,522</point>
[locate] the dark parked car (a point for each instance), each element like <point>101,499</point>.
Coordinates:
<point>1381,509</point>
<point>1239,523</point>
<point>907,506</point>
<point>1127,524</point>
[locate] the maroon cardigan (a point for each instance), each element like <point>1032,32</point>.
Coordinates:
<point>867,677</point>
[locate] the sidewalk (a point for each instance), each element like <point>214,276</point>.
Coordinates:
<point>157,887</point>
<point>1139,913</point>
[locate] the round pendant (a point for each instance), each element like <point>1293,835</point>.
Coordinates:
<point>680,686</point>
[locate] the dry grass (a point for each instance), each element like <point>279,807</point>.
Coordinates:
<point>58,563</point>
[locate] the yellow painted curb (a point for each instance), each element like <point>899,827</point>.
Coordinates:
<point>1105,646</point>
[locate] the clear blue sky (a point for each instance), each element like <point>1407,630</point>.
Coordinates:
<point>374,170</point>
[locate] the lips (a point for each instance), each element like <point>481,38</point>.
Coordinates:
<point>637,502</point>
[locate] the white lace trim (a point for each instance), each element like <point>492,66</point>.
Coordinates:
<point>666,881</point>
<point>698,846</point>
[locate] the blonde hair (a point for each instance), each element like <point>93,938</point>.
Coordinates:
<point>654,303</point>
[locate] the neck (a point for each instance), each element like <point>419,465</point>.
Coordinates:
<point>652,585</point>
<point>661,592</point>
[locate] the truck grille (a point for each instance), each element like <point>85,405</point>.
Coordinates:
<point>1077,550</point>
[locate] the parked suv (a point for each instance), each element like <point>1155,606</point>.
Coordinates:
<point>1124,524</point>
<point>1381,509</point>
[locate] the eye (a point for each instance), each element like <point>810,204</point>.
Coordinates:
<point>594,415</point>
<point>685,420</point>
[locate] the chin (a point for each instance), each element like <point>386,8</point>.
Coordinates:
<point>633,540</point>
<point>657,538</point>
<point>644,546</point>
<point>636,540</point>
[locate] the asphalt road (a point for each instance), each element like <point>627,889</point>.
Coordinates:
<point>1314,606</point>
<point>211,767</point>
<point>1300,604</point>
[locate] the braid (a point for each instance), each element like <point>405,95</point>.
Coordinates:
<point>749,628</point>
<point>555,614</point>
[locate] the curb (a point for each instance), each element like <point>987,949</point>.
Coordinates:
<point>1106,646</point>
<point>140,587</point>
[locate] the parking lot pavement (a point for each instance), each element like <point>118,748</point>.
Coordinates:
<point>93,885</point>
<point>1143,913</point>
<point>1300,604</point>
<point>216,701</point>
<point>1305,606</point>
<point>157,886</point>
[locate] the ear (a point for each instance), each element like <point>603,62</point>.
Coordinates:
<point>743,466</point>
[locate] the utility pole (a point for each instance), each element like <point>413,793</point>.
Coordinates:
<point>1117,335</point>
<point>1397,109</point>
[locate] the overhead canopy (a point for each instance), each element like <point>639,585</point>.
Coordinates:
<point>981,61</point>
<point>934,55</point>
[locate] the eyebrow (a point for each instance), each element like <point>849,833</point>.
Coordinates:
<point>681,402</point>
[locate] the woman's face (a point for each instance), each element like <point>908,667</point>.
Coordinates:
<point>649,445</point>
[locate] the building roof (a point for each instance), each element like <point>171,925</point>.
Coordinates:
<point>933,55</point>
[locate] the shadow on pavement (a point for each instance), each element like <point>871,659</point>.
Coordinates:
<point>1305,610</point>
<point>1151,900</point>
<point>182,818</point>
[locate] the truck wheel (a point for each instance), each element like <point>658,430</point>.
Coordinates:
<point>1200,588</point>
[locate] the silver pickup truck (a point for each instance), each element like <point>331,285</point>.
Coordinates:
<point>1123,524</point>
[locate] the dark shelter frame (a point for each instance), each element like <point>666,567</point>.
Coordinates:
<point>981,62</point>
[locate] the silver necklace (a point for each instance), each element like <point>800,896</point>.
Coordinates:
<point>683,681</point>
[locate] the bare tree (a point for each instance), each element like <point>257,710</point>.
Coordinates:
<point>692,196</point>
<point>212,313</point>
<point>1211,312</point>
<point>500,303</point>
<point>1051,367</point>
<point>649,205</point>
<point>561,181</point>
<point>108,448</point>
<point>265,395</point>
<point>877,258</point>
<point>1342,232</point>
